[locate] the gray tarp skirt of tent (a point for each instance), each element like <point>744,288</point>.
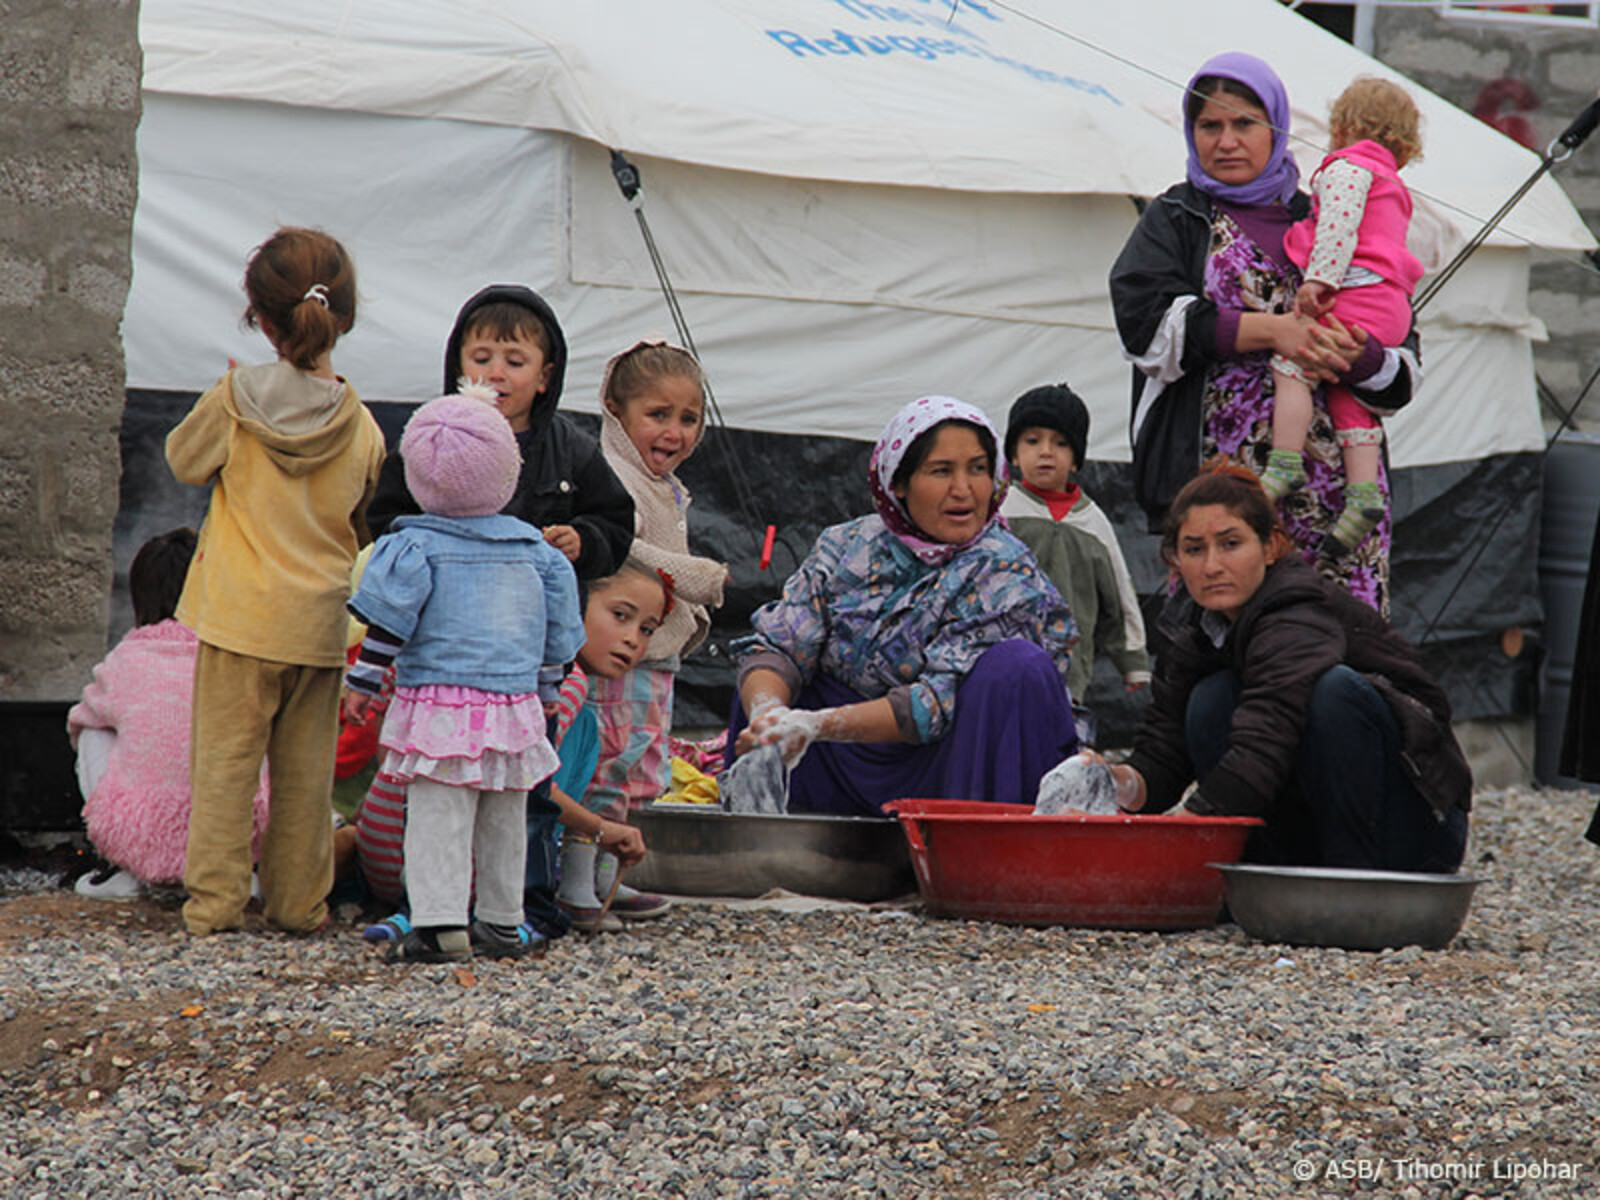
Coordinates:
<point>807,483</point>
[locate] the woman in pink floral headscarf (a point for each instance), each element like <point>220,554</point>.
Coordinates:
<point>918,651</point>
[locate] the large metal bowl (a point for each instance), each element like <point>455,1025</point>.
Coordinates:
<point>702,851</point>
<point>1353,910</point>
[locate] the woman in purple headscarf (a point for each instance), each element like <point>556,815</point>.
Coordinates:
<point>1203,294</point>
<point>918,652</point>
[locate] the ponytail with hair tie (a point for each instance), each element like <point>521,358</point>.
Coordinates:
<point>301,286</point>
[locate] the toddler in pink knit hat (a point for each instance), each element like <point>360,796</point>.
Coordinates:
<point>460,455</point>
<point>478,614</point>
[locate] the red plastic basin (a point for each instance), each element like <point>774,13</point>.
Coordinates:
<point>999,862</point>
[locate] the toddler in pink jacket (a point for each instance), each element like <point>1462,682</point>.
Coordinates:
<point>131,733</point>
<point>1352,252</point>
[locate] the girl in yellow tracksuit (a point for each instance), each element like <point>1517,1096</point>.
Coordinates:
<point>292,456</point>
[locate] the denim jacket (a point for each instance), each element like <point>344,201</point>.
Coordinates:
<point>479,602</point>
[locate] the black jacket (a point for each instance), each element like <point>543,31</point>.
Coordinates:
<point>565,479</point>
<point>1296,626</point>
<point>1164,259</point>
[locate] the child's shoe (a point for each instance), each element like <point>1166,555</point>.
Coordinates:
<point>633,905</point>
<point>506,941</point>
<point>109,883</point>
<point>629,904</point>
<point>588,920</point>
<point>1285,472</point>
<point>390,929</point>
<point>435,945</point>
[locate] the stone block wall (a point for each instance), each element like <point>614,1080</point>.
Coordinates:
<point>1531,81</point>
<point>69,110</point>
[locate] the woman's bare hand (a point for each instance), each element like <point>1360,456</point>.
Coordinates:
<point>1328,349</point>
<point>1130,788</point>
<point>1344,342</point>
<point>1292,339</point>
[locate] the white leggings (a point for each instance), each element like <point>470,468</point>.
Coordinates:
<point>452,831</point>
<point>94,756</point>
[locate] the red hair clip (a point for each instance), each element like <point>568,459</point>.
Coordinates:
<point>669,586</point>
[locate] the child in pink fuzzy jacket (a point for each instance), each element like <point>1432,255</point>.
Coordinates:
<point>131,732</point>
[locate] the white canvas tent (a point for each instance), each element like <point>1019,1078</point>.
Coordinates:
<point>858,202</point>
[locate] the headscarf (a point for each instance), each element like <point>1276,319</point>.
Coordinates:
<point>904,428</point>
<point>1278,179</point>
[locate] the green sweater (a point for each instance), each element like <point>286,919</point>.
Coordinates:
<point>1080,555</point>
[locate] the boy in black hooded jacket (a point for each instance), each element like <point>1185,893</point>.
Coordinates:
<point>508,337</point>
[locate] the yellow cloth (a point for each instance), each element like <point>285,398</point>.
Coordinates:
<point>690,785</point>
<point>357,629</point>
<point>271,573</point>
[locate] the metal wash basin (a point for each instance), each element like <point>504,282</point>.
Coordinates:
<point>698,850</point>
<point>1354,910</point>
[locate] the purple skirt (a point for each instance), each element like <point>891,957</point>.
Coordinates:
<point>1013,722</point>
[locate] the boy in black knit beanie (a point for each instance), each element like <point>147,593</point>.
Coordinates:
<point>1047,436</point>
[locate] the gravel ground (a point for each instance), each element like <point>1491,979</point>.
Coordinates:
<point>838,1054</point>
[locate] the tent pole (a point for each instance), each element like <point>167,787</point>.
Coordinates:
<point>1361,37</point>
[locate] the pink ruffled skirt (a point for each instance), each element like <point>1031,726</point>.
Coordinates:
<point>467,738</point>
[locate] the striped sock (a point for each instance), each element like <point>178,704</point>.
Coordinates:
<point>1363,509</point>
<point>381,836</point>
<point>1286,471</point>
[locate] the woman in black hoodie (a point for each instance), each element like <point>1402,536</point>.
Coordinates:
<point>1290,700</point>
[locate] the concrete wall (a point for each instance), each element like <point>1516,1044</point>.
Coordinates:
<point>69,108</point>
<point>1532,79</point>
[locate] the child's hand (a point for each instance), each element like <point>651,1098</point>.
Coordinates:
<point>565,539</point>
<point>1314,299</point>
<point>357,707</point>
<point>626,842</point>
<point>1135,683</point>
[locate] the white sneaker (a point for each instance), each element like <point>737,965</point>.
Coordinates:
<point>108,883</point>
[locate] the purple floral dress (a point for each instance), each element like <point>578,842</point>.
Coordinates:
<point>1237,410</point>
